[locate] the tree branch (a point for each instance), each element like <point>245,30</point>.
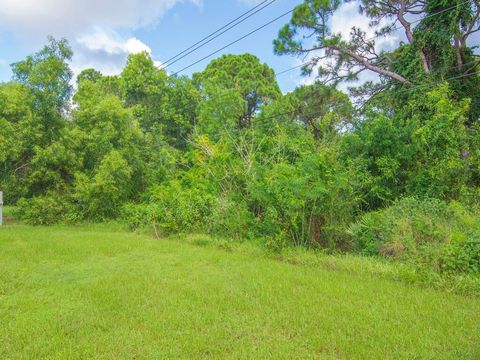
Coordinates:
<point>369,66</point>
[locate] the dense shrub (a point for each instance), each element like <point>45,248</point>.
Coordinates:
<point>307,203</point>
<point>46,210</point>
<point>175,211</point>
<point>421,150</point>
<point>172,208</point>
<point>102,196</point>
<point>431,233</point>
<point>463,257</point>
<point>231,218</point>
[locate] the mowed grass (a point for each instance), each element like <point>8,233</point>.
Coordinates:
<point>96,292</point>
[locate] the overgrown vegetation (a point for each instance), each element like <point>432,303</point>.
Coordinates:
<point>226,153</point>
<point>430,234</point>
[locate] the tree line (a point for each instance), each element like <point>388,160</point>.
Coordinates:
<point>225,152</point>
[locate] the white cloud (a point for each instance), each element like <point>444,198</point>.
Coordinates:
<point>105,51</point>
<point>111,43</point>
<point>38,18</point>
<point>100,31</point>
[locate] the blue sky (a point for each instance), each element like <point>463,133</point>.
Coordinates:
<point>162,27</point>
<point>103,32</point>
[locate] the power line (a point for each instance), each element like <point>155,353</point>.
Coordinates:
<point>233,42</point>
<point>298,66</point>
<point>292,68</point>
<point>218,33</point>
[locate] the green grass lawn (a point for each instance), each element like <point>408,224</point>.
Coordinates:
<point>96,292</point>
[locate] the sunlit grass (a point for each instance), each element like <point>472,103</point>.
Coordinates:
<point>99,292</point>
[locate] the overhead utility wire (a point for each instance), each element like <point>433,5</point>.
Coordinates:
<point>233,42</point>
<point>284,71</point>
<point>217,33</point>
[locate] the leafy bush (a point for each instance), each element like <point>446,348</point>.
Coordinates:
<point>45,210</point>
<point>230,217</point>
<point>429,232</point>
<point>307,203</point>
<point>172,208</point>
<point>463,257</point>
<point>101,197</point>
<point>420,150</point>
<point>136,215</point>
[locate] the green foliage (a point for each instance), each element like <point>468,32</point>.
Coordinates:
<point>140,78</point>
<point>19,133</point>
<point>422,150</point>
<point>323,110</point>
<point>227,154</point>
<point>244,80</point>
<point>442,167</point>
<point>165,107</point>
<point>47,75</point>
<point>306,203</point>
<point>90,75</point>
<point>463,257</point>
<point>311,14</point>
<point>172,208</point>
<point>47,209</point>
<point>431,233</point>
<point>230,218</point>
<point>102,196</point>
